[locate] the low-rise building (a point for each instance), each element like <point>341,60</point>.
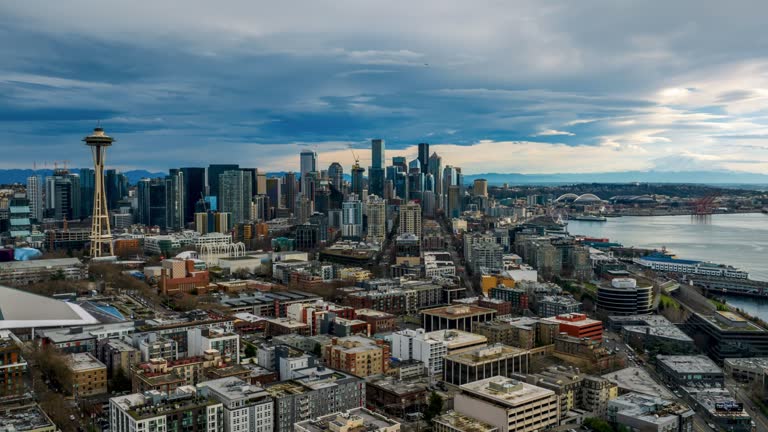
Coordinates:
<point>357,355</point>
<point>687,370</point>
<point>509,405</point>
<point>32,271</point>
<point>725,335</point>
<point>185,408</point>
<point>652,332</point>
<point>202,340</point>
<point>455,317</point>
<point>118,355</point>
<point>430,348</point>
<point>719,408</point>
<point>380,322</point>
<point>649,413</point>
<point>454,421</point>
<point>246,408</point>
<point>358,419</point>
<point>752,370</point>
<point>579,325</point>
<point>25,418</point>
<point>480,363</point>
<point>394,396</point>
<point>319,392</point>
<point>89,375</point>
<point>13,367</point>
<point>548,306</point>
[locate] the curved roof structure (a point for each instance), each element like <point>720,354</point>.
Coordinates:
<point>21,309</point>
<point>587,198</point>
<point>569,197</point>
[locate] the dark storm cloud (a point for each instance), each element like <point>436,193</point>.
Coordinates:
<point>178,82</point>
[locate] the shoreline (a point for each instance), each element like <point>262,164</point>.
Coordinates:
<point>680,213</point>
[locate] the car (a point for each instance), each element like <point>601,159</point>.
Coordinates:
<point>72,417</point>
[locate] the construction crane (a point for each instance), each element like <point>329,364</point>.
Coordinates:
<point>357,159</point>
<point>704,205</point>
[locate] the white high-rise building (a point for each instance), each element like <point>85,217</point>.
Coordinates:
<point>410,219</point>
<point>247,408</point>
<point>35,196</point>
<point>352,218</point>
<point>376,209</point>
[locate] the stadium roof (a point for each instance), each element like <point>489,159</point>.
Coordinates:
<point>21,309</point>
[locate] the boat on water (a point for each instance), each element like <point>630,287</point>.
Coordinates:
<point>765,210</point>
<point>589,218</point>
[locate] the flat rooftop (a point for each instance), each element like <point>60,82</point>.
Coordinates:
<point>396,386</point>
<point>649,408</point>
<point>81,362</point>
<point>689,363</point>
<point>576,320</point>
<point>457,311</point>
<point>506,391</point>
<point>480,355</point>
<point>465,423</point>
<point>24,418</point>
<point>753,363</point>
<point>455,339</point>
<point>233,388</point>
<point>636,379</point>
<point>373,313</point>
<point>371,421</point>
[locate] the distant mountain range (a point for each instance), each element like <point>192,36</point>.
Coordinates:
<point>701,177</point>
<point>10,176</point>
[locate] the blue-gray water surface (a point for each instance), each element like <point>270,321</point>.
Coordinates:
<point>740,240</point>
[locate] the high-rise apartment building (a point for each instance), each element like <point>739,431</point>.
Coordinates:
<point>214,171</point>
<point>410,219</point>
<point>35,197</point>
<point>235,194</point>
<point>194,190</point>
<point>376,175</point>
<point>336,175</point>
<point>62,195</point>
<point>352,218</point>
<point>185,409</point>
<point>376,210</point>
<point>247,408</point>
<point>357,355</point>
<point>176,200</point>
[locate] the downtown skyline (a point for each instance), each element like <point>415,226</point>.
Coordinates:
<point>588,87</point>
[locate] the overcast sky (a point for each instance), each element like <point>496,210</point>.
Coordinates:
<point>494,86</point>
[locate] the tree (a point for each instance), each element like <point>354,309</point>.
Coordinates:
<point>250,351</point>
<point>597,425</point>
<point>434,407</point>
<point>120,381</point>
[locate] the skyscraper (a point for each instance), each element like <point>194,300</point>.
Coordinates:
<point>357,179</point>
<point>87,186</point>
<point>289,191</point>
<point>101,234</point>
<point>213,176</point>
<point>177,198</point>
<point>273,192</point>
<point>194,190</point>
<point>336,175</point>
<point>62,195</point>
<point>254,178</point>
<point>235,194</point>
<point>424,155</point>
<point>261,183</point>
<point>158,203</point>
<point>308,164</point>
<point>142,201</point>
<point>112,188</point>
<point>376,170</point>
<point>436,169</point>
<point>35,197</point>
